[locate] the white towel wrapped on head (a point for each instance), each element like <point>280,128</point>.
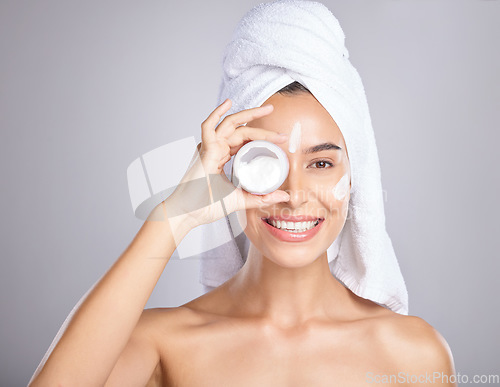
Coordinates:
<point>274,45</point>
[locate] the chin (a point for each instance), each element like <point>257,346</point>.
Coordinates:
<point>292,245</point>
<point>291,254</point>
<point>291,261</point>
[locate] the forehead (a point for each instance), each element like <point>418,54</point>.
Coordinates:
<point>315,121</point>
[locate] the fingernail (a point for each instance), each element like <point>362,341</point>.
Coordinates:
<point>283,134</point>
<point>267,107</point>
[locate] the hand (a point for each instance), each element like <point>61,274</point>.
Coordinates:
<point>205,186</point>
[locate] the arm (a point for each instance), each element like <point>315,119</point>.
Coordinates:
<point>139,363</point>
<point>109,334</point>
<point>103,324</point>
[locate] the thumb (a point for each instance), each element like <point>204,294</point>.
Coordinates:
<point>277,196</point>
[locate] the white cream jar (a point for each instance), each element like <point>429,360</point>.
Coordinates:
<point>260,167</point>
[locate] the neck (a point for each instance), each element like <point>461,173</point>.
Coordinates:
<point>288,296</point>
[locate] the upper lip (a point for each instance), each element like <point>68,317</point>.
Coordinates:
<point>290,218</point>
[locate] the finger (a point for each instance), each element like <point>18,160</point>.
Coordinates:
<point>257,201</point>
<point>230,122</point>
<point>208,126</point>
<point>240,199</point>
<point>248,133</point>
<point>223,162</point>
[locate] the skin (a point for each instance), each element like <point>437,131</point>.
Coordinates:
<point>283,319</point>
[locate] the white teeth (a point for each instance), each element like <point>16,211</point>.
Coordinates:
<point>293,226</point>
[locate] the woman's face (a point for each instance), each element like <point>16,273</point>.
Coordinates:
<point>318,183</point>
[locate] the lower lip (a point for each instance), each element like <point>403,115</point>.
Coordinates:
<point>286,236</point>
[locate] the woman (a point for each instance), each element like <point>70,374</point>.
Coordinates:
<point>283,319</point>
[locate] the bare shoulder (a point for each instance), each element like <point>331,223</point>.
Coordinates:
<point>154,330</point>
<point>415,346</point>
<point>169,325</point>
<point>158,320</point>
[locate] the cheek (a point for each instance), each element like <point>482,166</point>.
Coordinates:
<point>335,196</point>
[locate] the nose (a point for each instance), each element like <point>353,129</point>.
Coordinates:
<point>296,186</point>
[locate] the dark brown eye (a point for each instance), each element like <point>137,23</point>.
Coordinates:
<point>322,164</point>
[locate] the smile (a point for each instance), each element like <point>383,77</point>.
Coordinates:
<point>293,226</point>
<point>296,229</point>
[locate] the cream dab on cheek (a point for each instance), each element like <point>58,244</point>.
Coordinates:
<point>341,188</point>
<point>295,137</point>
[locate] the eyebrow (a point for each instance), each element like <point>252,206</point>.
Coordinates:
<point>322,147</point>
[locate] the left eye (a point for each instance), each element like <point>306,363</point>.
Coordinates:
<point>322,164</point>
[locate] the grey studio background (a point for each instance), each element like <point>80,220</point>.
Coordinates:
<point>88,86</point>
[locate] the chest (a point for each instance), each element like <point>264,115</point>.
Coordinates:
<point>255,359</point>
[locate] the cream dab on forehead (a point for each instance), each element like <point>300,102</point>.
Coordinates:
<point>295,138</point>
